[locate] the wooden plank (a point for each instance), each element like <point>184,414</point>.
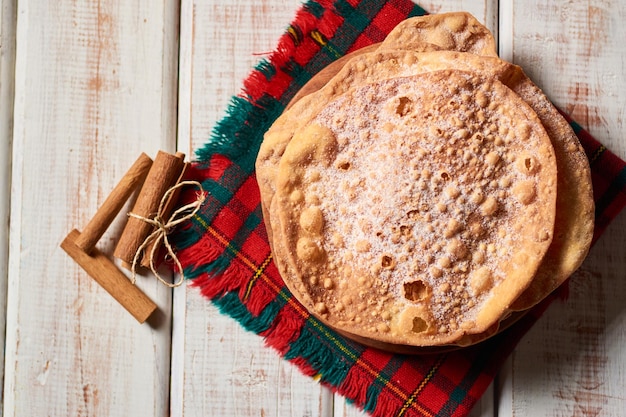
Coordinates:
<point>572,362</point>
<point>219,369</point>
<point>228,371</point>
<point>95,85</point>
<point>206,86</point>
<point>8,20</point>
<point>486,12</point>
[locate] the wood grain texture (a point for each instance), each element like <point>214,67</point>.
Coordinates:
<point>222,370</point>
<point>90,85</point>
<point>113,204</point>
<point>101,268</point>
<point>573,362</point>
<point>228,371</point>
<point>94,86</point>
<point>8,21</point>
<point>574,51</point>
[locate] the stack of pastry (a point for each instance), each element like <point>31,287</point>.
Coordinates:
<point>422,192</point>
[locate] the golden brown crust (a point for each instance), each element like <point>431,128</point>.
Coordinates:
<point>444,248</point>
<point>574,205</point>
<point>574,222</point>
<point>575,208</point>
<point>457,31</point>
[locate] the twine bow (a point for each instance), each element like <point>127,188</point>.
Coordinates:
<point>162,229</point>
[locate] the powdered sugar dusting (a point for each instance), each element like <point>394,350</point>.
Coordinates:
<point>420,220</point>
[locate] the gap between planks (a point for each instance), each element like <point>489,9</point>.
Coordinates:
<point>8,27</point>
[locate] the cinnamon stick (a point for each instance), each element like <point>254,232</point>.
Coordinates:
<point>167,212</point>
<point>163,174</point>
<point>104,271</point>
<point>105,215</point>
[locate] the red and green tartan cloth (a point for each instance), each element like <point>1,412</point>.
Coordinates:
<point>225,250</point>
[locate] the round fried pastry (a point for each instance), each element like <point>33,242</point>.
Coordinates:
<point>575,207</point>
<point>574,221</point>
<point>414,210</point>
<point>455,31</point>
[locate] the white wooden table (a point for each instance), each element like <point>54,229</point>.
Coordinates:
<point>86,86</point>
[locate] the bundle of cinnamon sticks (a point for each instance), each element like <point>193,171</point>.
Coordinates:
<point>153,179</point>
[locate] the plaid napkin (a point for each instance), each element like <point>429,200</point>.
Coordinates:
<point>226,253</point>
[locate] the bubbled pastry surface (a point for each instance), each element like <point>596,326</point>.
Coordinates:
<point>414,210</point>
